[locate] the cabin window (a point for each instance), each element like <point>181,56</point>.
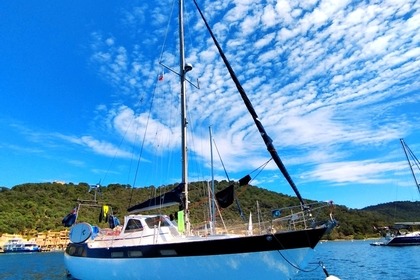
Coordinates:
<point>117,254</point>
<point>135,254</point>
<point>133,225</point>
<point>154,222</point>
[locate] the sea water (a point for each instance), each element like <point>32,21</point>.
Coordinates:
<point>356,260</point>
<point>33,266</point>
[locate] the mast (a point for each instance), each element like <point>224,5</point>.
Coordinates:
<point>408,151</point>
<point>213,206</point>
<point>183,70</point>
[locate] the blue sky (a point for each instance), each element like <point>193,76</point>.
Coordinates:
<point>334,82</point>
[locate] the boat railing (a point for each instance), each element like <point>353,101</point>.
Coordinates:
<point>298,217</point>
<point>282,219</point>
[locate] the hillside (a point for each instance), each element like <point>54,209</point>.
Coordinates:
<point>398,211</point>
<point>30,208</point>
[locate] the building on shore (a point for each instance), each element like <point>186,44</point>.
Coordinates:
<point>47,241</point>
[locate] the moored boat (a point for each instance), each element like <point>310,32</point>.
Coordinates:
<point>401,234</point>
<point>158,246</point>
<point>404,233</point>
<point>18,245</point>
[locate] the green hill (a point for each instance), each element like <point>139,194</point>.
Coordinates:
<point>31,208</point>
<point>398,211</point>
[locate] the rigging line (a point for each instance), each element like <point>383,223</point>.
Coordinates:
<point>143,142</point>
<point>260,169</point>
<point>266,138</point>
<point>220,157</point>
<point>197,85</point>
<point>192,143</point>
<point>411,162</point>
<point>262,166</point>
<point>289,262</point>
<point>187,31</point>
<point>167,31</point>
<point>133,153</point>
<point>115,154</point>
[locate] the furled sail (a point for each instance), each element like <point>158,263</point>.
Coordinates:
<point>173,197</point>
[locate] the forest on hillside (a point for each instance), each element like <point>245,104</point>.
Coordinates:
<point>38,207</point>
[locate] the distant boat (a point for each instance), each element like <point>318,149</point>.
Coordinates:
<point>401,234</point>
<point>18,245</point>
<point>404,233</point>
<point>157,247</point>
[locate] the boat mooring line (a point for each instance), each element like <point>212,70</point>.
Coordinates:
<point>289,262</point>
<point>320,264</point>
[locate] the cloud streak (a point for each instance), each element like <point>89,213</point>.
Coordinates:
<point>327,78</point>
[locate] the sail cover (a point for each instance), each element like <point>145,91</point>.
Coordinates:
<point>225,197</point>
<point>245,180</point>
<point>173,197</point>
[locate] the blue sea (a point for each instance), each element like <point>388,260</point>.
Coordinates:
<point>345,259</point>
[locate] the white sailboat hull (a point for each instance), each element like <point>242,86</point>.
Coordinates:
<point>154,247</point>
<point>258,265</point>
<point>157,253</point>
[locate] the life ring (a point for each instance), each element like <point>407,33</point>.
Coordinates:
<point>81,232</point>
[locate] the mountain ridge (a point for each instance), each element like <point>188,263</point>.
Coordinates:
<point>38,207</point>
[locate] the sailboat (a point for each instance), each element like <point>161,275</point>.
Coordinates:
<point>402,233</point>
<point>154,246</point>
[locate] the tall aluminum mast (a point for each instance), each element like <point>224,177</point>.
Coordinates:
<point>183,70</point>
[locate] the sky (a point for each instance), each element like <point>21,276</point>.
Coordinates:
<point>335,83</point>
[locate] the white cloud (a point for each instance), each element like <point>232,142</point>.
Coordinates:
<point>268,17</point>
<point>134,127</point>
<point>317,72</point>
<point>362,172</point>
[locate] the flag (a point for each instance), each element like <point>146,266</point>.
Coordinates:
<point>70,219</point>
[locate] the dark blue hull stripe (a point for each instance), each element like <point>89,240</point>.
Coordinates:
<point>270,242</point>
<point>405,241</point>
